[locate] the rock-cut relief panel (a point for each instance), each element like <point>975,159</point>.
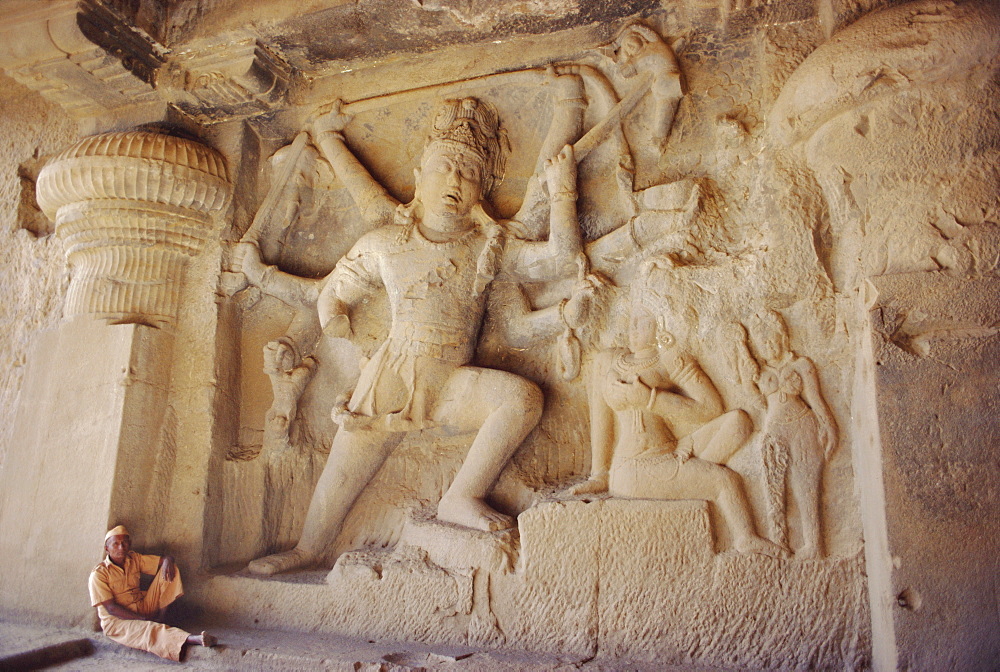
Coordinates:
<point>514,317</point>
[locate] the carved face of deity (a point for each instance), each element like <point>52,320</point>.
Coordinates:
<point>641,330</point>
<point>118,547</point>
<point>449,186</point>
<point>769,338</point>
<point>772,344</point>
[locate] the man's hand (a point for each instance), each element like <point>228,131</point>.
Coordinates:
<point>583,301</point>
<point>118,611</point>
<point>578,308</point>
<point>684,452</point>
<point>560,173</point>
<point>568,83</point>
<point>595,485</point>
<point>626,394</point>
<point>168,568</point>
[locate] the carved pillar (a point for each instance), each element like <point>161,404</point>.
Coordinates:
<point>132,208</point>
<point>95,427</point>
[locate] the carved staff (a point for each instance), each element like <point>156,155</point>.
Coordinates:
<point>277,192</point>
<point>599,133</point>
<point>594,137</point>
<point>588,142</point>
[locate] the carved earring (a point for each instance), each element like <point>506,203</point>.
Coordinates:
<point>664,339</point>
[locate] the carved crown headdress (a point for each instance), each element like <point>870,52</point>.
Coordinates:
<point>765,324</point>
<point>473,126</point>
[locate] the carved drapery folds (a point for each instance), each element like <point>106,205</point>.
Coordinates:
<point>132,208</point>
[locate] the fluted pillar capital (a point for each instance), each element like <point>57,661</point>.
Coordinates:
<point>132,208</point>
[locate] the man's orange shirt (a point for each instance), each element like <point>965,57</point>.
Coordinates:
<point>109,581</point>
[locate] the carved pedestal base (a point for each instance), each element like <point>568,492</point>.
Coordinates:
<point>622,579</point>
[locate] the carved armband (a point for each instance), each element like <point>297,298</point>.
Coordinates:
<point>563,196</point>
<point>265,278</point>
<point>562,313</point>
<point>579,103</point>
<point>684,373</point>
<point>323,135</point>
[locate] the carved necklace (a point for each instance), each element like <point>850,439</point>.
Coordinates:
<point>459,241</point>
<point>626,362</point>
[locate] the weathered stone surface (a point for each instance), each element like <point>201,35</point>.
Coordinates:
<point>935,348</point>
<point>76,470</point>
<point>700,294</point>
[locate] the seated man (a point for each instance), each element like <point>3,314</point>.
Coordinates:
<point>131,616</point>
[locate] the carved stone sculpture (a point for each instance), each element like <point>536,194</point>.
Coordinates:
<point>800,432</point>
<point>639,49</point>
<point>132,208</point>
<point>436,262</point>
<point>289,374</point>
<point>658,430</point>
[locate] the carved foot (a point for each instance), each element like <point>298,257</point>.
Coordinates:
<point>755,544</point>
<point>281,562</point>
<point>809,552</point>
<point>472,512</point>
<point>592,486</point>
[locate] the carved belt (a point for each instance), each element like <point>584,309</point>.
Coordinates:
<point>427,340</point>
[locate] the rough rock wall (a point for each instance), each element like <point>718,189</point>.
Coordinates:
<point>903,137</point>
<point>33,272</point>
<point>818,163</point>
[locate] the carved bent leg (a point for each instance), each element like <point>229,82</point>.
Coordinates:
<point>504,408</point>
<point>699,479</point>
<point>804,483</point>
<point>723,437</point>
<point>354,459</point>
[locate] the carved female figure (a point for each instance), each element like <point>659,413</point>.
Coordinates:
<point>799,430</point>
<point>658,430</point>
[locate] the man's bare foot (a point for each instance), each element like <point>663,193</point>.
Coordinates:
<point>472,512</point>
<point>281,562</point>
<point>760,546</point>
<point>204,639</point>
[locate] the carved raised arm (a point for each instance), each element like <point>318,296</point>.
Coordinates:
<point>374,202</point>
<point>698,399</point>
<point>566,127</point>
<point>290,289</point>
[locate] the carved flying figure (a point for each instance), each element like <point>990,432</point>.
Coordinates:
<point>639,49</point>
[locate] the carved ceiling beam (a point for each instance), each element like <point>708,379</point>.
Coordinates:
<point>91,61</point>
<point>44,48</point>
<point>237,78</point>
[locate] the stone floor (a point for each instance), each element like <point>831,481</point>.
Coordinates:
<point>242,649</point>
